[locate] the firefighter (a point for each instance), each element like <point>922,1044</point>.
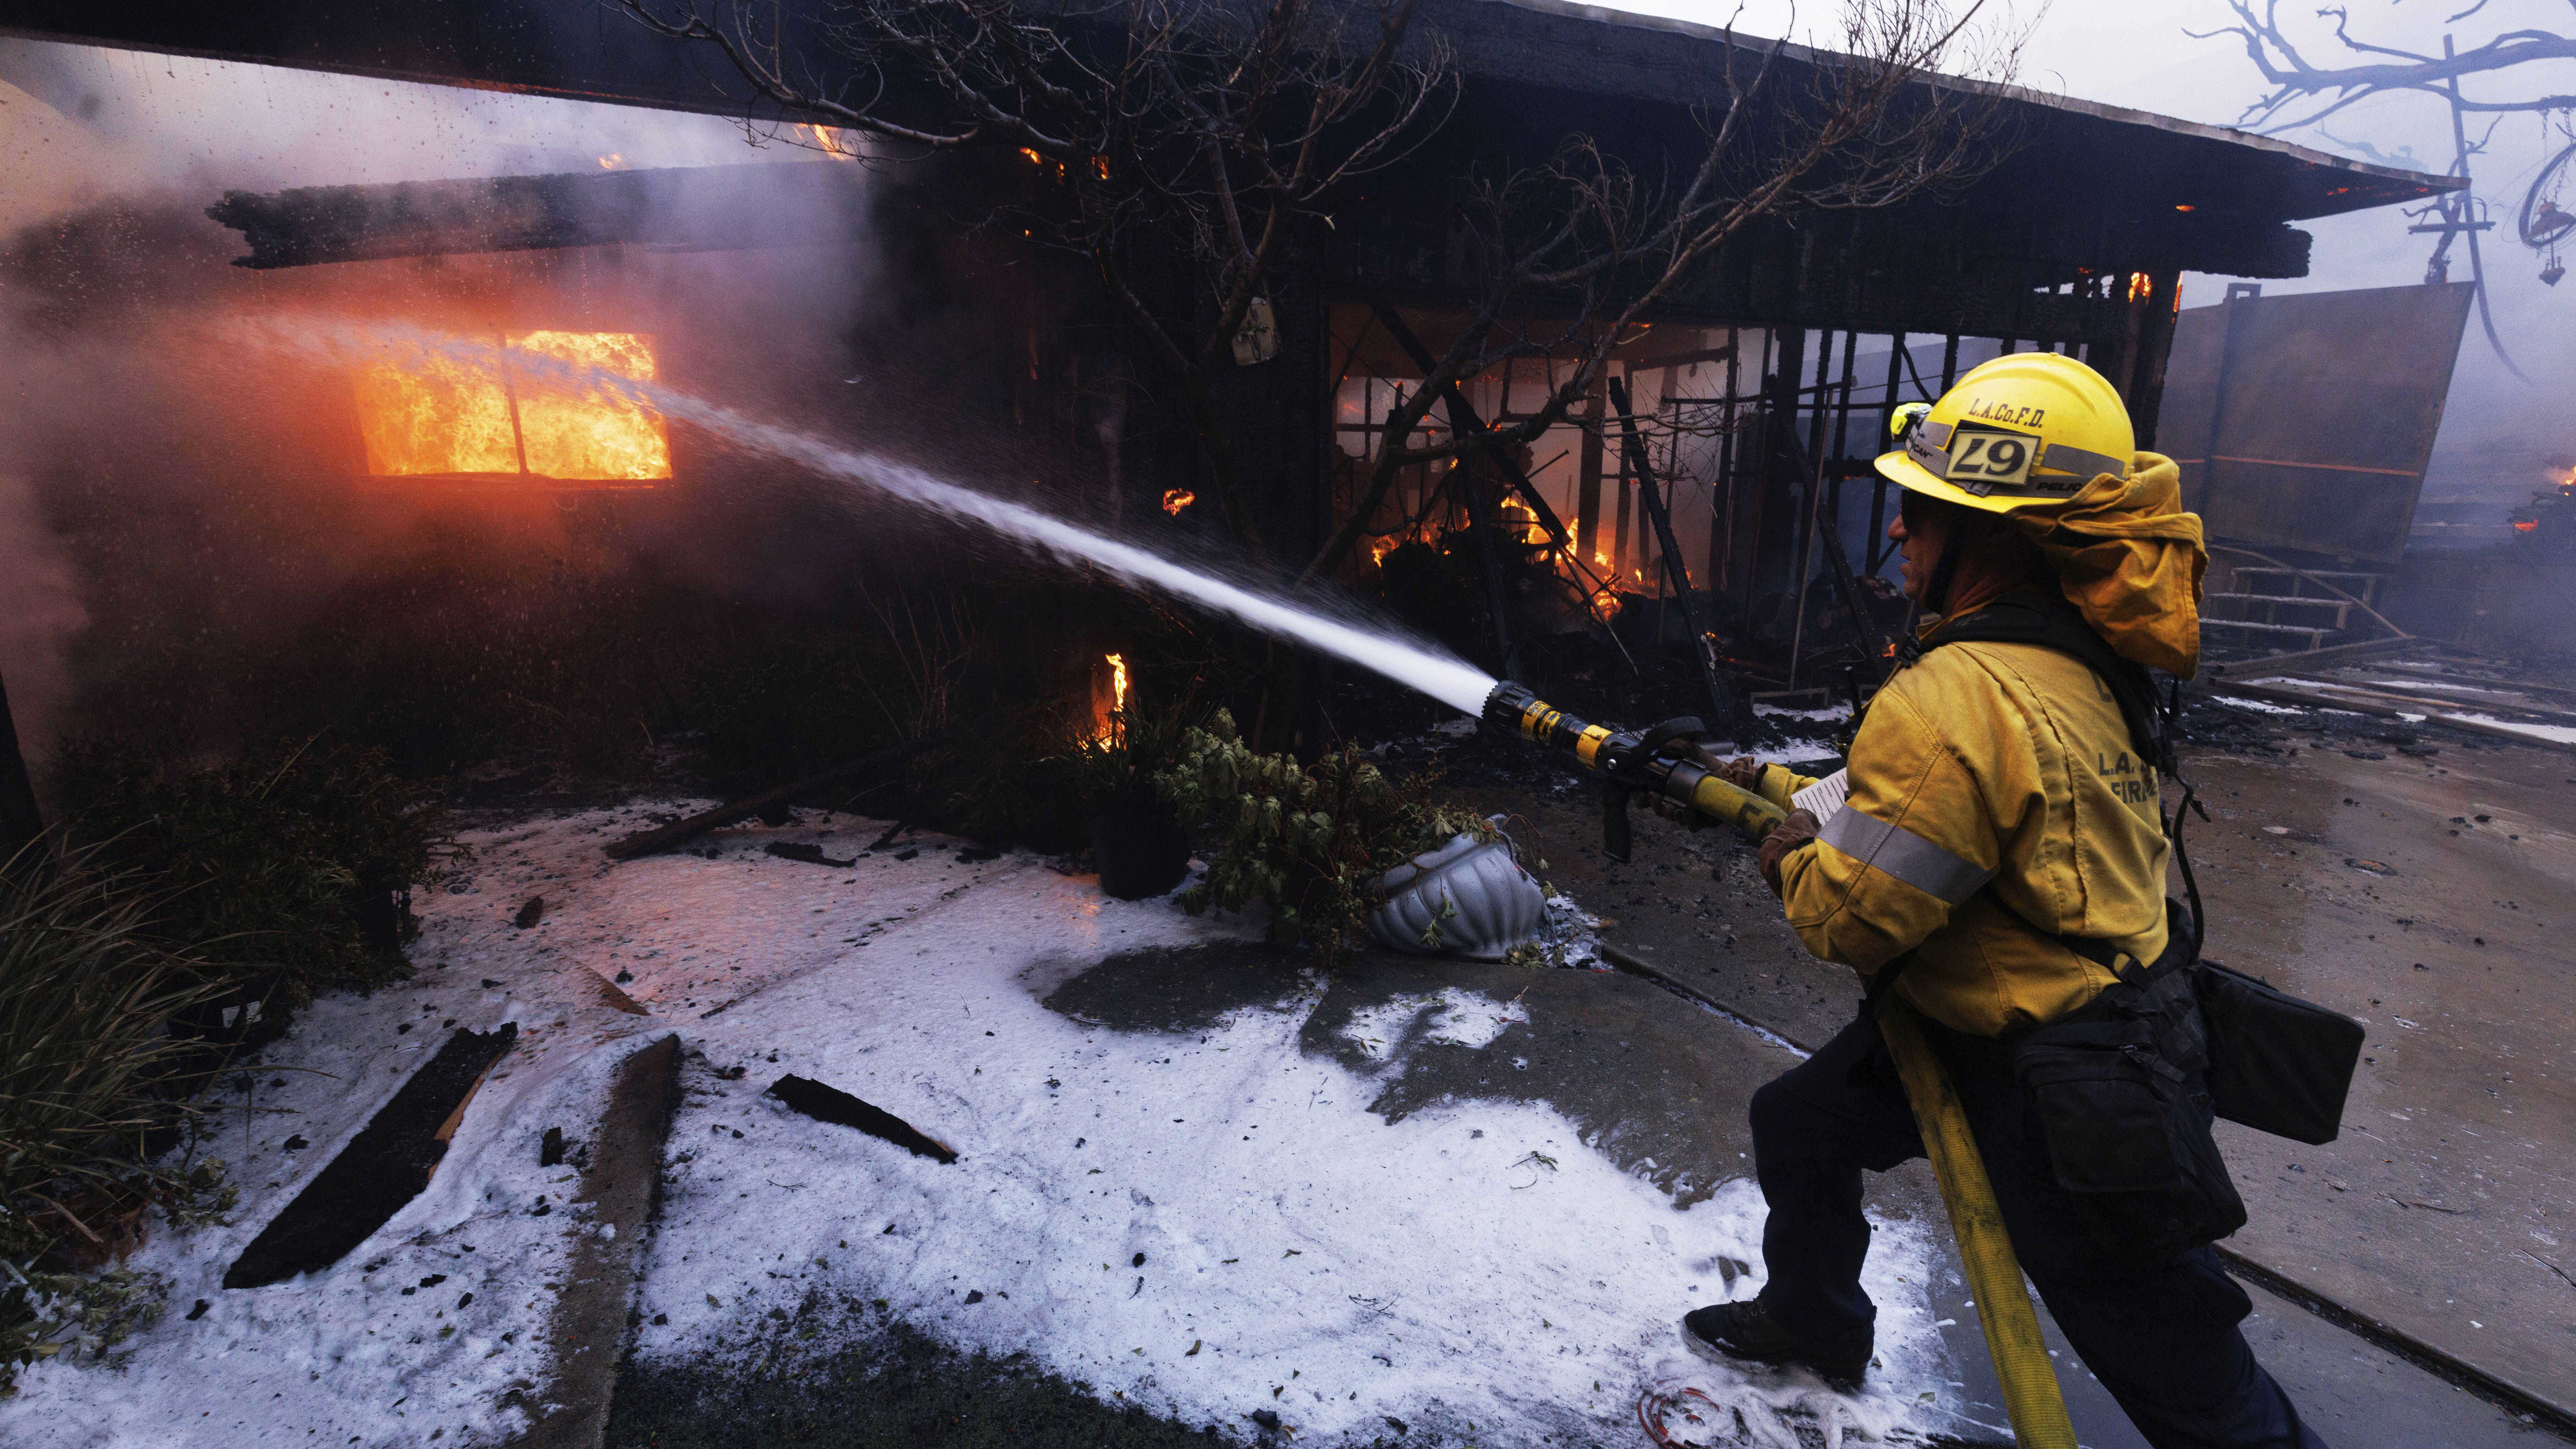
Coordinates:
<point>1999,864</point>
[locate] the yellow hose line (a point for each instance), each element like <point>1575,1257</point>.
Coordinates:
<point>2031,1394</point>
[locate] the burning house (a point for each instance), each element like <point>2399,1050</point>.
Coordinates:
<point>845,492</point>
<point>1716,468</point>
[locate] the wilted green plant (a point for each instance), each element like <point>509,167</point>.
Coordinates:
<point>92,1085</point>
<point>1308,840</point>
<point>1139,744</point>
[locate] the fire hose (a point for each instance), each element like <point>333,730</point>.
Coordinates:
<point>1658,764</point>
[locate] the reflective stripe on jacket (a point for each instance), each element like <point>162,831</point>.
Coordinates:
<point>1996,768</point>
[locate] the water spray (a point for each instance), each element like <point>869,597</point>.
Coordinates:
<point>1655,762</point>
<point>1374,646</point>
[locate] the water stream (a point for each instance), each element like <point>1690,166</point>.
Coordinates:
<point>1379,648</point>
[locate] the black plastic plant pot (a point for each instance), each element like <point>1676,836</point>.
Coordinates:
<point>1138,843</point>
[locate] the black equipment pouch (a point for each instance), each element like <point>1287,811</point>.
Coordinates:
<point>2118,1095</point>
<point>2276,1064</point>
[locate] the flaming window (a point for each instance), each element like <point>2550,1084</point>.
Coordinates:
<point>442,416</point>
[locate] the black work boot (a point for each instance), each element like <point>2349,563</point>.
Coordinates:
<point>1740,1333</point>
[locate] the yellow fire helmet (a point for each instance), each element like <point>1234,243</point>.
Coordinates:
<point>2028,427</point>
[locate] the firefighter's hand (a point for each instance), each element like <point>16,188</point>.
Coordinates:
<point>1787,836</point>
<point>1743,772</point>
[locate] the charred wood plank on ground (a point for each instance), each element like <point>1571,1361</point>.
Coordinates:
<point>681,832</point>
<point>808,853</point>
<point>831,1104</point>
<point>383,1167</point>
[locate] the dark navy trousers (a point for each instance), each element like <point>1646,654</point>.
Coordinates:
<point>2162,1336</point>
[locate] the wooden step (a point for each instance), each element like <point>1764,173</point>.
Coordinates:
<point>2305,636</point>
<point>2271,605</point>
<point>2360,585</point>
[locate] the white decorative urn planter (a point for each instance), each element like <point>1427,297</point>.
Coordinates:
<point>1480,899</point>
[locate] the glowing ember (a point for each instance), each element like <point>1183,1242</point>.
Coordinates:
<point>613,161</point>
<point>1176,499</point>
<point>438,415</point>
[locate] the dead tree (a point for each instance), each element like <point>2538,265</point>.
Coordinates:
<point>2295,81</point>
<point>2303,94</point>
<point>1221,128</point>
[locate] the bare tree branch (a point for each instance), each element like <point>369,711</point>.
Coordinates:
<point>1222,127</point>
<point>1584,235</point>
<point>2294,79</point>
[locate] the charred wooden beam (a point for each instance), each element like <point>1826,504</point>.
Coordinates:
<point>698,207</point>
<point>383,1167</point>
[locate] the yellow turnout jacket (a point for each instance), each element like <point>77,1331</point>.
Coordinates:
<point>1986,771</point>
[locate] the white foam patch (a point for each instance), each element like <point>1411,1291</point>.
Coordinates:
<point>1449,1017</point>
<point>431,1323</point>
<point>2259,706</point>
<point>2556,734</point>
<point>1473,1263</point>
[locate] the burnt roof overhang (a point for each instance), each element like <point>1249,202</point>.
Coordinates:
<point>2159,160</point>
<point>2149,191</point>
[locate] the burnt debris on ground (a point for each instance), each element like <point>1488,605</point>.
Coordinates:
<point>383,1167</point>
<point>830,1104</point>
<point>894,1388</point>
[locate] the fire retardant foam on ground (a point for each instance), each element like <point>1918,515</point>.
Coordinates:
<point>1205,1225</point>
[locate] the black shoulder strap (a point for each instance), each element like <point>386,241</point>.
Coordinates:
<point>2043,617</point>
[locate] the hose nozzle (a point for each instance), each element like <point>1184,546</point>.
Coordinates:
<point>1655,762</point>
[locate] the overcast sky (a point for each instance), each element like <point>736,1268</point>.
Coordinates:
<point>2136,53</point>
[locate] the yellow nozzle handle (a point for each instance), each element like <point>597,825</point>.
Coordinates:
<point>1728,805</point>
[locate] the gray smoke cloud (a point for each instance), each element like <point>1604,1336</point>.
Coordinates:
<point>107,159</point>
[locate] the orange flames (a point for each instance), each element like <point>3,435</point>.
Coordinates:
<point>832,141</point>
<point>1109,699</point>
<point>440,415</point>
<point>1176,499</point>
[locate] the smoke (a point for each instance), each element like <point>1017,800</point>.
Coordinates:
<point>1372,644</point>
<point>161,494</point>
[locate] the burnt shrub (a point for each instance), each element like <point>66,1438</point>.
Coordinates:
<point>284,873</point>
